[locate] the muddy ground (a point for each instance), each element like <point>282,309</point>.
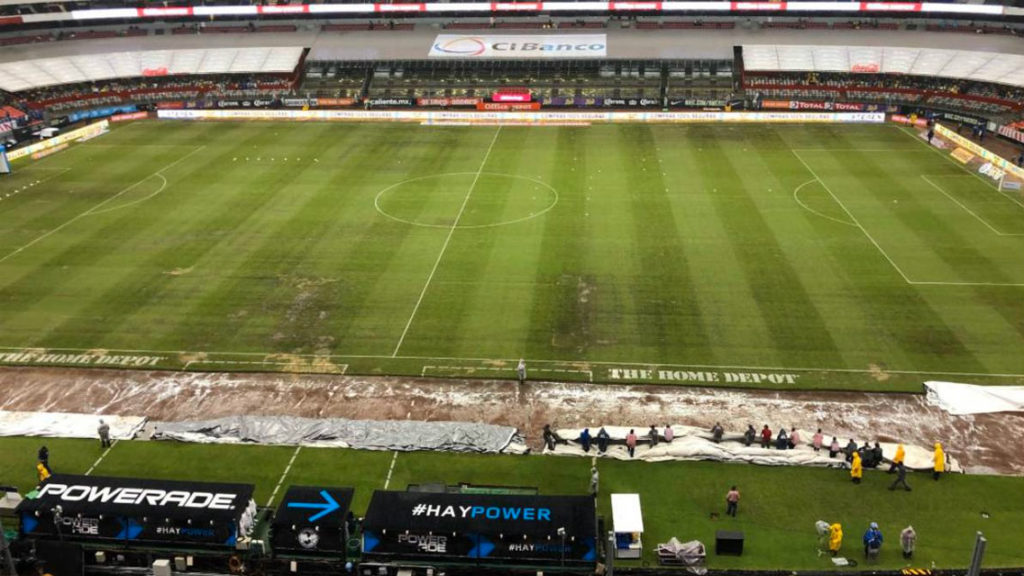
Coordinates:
<point>989,443</point>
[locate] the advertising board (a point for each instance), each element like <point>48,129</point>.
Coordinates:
<point>132,510</point>
<point>997,161</point>
<point>532,47</point>
<point>90,131</point>
<point>509,527</point>
<point>429,116</point>
<point>312,520</point>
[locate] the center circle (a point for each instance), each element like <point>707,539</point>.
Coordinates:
<point>440,200</point>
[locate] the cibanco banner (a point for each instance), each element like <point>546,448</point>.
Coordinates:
<point>523,46</point>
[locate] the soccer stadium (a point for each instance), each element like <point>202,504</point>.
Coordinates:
<point>511,288</point>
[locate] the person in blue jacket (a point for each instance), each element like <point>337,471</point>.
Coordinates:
<point>872,540</point>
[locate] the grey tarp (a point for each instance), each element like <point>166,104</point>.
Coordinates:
<point>403,435</point>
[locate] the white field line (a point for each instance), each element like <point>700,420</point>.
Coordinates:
<point>92,210</point>
<point>622,363</point>
<point>100,459</point>
<point>966,209</point>
<point>511,371</point>
<point>852,217</point>
<point>444,247</point>
<point>48,178</point>
<point>391,470</point>
<point>284,475</point>
<point>987,182</point>
<point>796,196</point>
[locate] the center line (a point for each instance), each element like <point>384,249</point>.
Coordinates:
<point>444,247</point>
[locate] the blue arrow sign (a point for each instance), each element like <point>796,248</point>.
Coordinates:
<point>326,507</point>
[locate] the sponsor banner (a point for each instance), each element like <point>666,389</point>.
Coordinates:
<point>631,102</point>
<point>519,46</point>
<point>447,101</point>
<point>1003,131</point>
<point>523,528</point>
<point>902,119</point>
<point>5,166</point>
<point>131,116</point>
<point>312,520</point>
<point>697,103</point>
<point>391,102</point>
<point>507,106</point>
<point>836,106</point>
<point>997,161</point>
<point>636,374</point>
<point>314,102</point>
<point>580,101</point>
<point>7,126</point>
<point>244,103</point>
<point>758,6</point>
<point>890,6</point>
<point>99,113</point>
<point>89,131</point>
<point>170,105</point>
<point>953,116</point>
<point>991,171</point>
<point>539,118</point>
<point>961,155</point>
<point>44,153</point>
<point>335,101</point>
<point>136,510</point>
<point>511,96</point>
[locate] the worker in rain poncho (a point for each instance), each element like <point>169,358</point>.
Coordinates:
<point>900,456</point>
<point>940,461</point>
<point>835,538</point>
<point>856,469</point>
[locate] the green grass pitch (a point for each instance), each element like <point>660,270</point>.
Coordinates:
<point>788,256</point>
<point>777,511</point>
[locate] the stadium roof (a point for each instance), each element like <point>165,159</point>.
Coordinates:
<point>40,72</point>
<point>622,43</point>
<point>966,64</point>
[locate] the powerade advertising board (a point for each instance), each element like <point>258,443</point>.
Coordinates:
<point>311,520</point>
<point>130,510</point>
<point>480,527</point>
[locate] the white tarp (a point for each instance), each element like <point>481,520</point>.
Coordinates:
<point>523,46</point>
<point>696,444</point>
<point>959,399</point>
<point>401,435</point>
<point>65,425</point>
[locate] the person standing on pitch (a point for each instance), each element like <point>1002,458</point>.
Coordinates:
<point>940,461</point>
<point>104,432</point>
<point>901,478</point>
<point>594,479</point>
<point>732,501</point>
<point>521,370</point>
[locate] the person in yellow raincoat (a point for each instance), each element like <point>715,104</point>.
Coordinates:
<point>835,538</point>
<point>900,455</point>
<point>940,461</point>
<point>42,472</point>
<point>856,469</point>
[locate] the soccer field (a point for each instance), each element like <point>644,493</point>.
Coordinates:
<point>788,256</point>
